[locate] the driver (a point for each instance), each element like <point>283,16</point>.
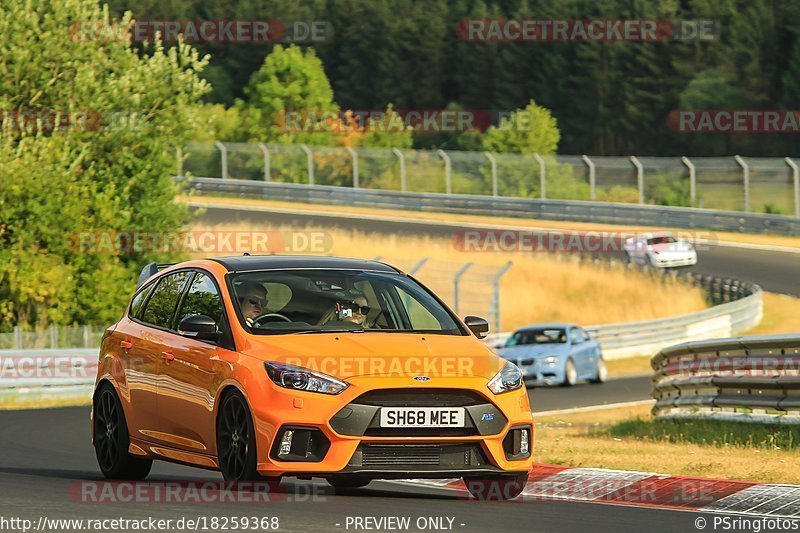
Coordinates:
<point>252,300</point>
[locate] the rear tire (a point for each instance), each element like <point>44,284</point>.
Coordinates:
<point>570,374</point>
<point>602,372</point>
<point>496,488</point>
<point>112,440</point>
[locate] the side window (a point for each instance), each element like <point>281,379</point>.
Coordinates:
<point>138,301</point>
<point>420,317</point>
<point>202,298</point>
<point>161,306</point>
<point>575,336</point>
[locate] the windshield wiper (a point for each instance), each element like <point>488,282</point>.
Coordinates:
<point>308,331</point>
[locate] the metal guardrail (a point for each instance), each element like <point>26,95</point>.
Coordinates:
<point>568,210</point>
<point>28,376</point>
<point>739,307</point>
<point>754,378</point>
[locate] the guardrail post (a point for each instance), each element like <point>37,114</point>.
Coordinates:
<point>692,180</point>
<point>796,180</point>
<point>53,336</point>
<point>223,158</point>
<point>590,165</point>
<point>496,294</point>
<point>419,265</point>
<point>448,185</point>
<point>86,336</point>
<point>745,182</point>
<point>493,162</point>
<point>179,161</point>
<point>17,337</point>
<point>639,177</point>
<point>354,155</point>
<point>310,161</point>
<point>456,278</point>
<point>265,151</point>
<point>542,176</point>
<point>402,159</point>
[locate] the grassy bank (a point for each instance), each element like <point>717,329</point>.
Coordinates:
<point>630,439</point>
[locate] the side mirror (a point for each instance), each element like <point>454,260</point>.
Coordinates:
<point>199,327</point>
<point>477,325</point>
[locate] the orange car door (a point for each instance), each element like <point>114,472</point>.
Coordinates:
<point>190,375</point>
<point>151,337</point>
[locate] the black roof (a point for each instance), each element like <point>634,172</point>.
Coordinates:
<point>243,263</point>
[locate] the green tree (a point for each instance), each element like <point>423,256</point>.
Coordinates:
<point>102,167</point>
<point>530,130</point>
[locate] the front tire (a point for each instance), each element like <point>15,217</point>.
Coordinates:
<point>236,440</point>
<point>496,488</point>
<point>570,374</point>
<point>345,483</point>
<point>111,438</point>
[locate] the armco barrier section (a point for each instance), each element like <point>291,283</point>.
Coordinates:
<point>41,375</point>
<point>754,378</point>
<point>742,310</point>
<point>570,210</point>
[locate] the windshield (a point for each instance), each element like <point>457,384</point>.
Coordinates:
<point>661,240</point>
<point>311,301</point>
<point>538,336</point>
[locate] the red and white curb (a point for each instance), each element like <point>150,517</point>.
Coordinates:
<point>620,487</point>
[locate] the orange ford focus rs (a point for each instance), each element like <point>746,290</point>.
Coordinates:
<point>270,366</point>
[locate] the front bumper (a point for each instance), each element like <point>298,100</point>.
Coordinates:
<point>365,450</point>
<point>667,261</point>
<point>537,372</point>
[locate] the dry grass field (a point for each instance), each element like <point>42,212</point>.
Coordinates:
<point>537,288</point>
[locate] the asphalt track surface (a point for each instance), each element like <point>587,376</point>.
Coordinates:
<point>47,463</point>
<point>774,271</point>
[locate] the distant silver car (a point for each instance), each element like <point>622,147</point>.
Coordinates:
<point>555,354</point>
<point>661,250</point>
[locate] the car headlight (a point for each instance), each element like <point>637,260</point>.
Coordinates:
<point>298,378</point>
<point>549,360</point>
<point>508,379</point>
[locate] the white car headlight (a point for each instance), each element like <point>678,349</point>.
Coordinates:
<point>298,378</point>
<point>508,379</point>
<point>549,360</point>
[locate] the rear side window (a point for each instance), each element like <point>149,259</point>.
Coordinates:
<point>202,298</point>
<point>138,301</point>
<point>161,305</point>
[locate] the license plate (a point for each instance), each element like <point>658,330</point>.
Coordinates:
<point>422,417</point>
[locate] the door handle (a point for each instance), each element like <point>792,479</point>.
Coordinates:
<point>167,356</point>
<point>126,345</point>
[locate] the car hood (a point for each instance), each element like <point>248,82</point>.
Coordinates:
<point>347,355</point>
<point>533,350</point>
<point>675,247</point>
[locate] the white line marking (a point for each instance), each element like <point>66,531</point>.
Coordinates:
<point>590,408</point>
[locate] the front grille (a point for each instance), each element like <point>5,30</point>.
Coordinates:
<point>420,397</point>
<point>388,456</point>
<point>400,455</point>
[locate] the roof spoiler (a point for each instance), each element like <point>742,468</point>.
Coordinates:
<point>150,270</point>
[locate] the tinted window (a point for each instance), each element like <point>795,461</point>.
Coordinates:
<point>138,301</point>
<point>537,336</point>
<point>161,305</point>
<point>202,298</point>
<point>273,302</point>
